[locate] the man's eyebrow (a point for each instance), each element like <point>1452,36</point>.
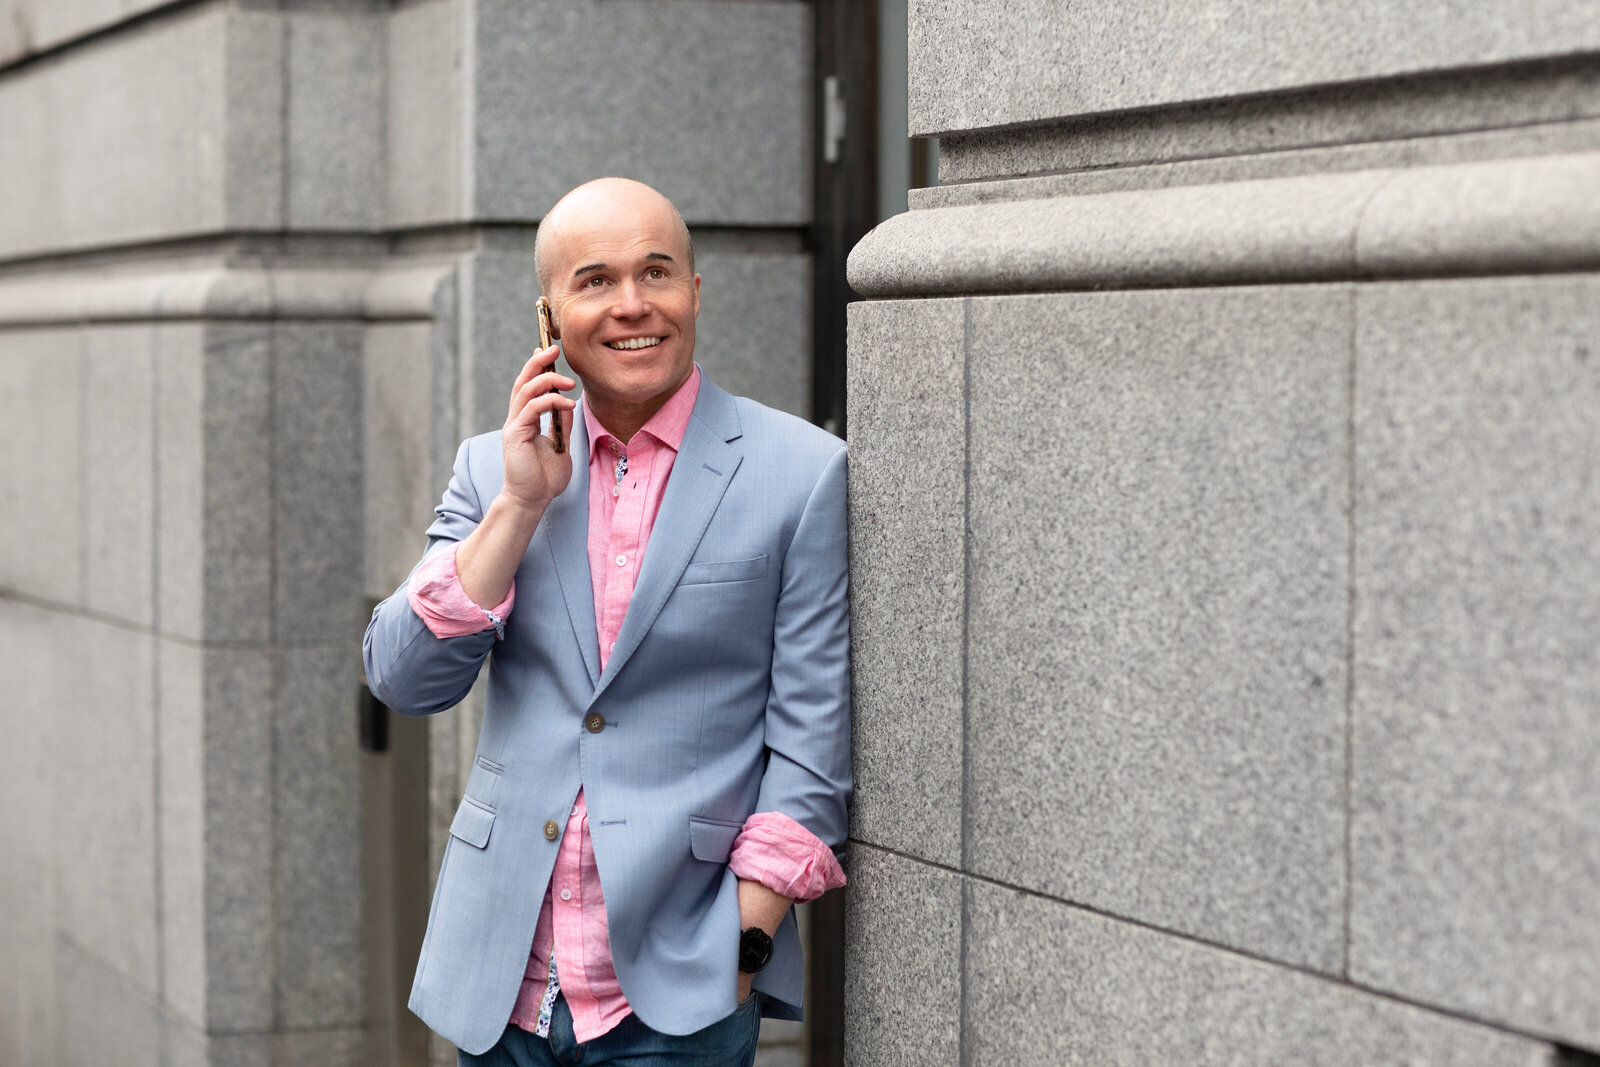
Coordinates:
<point>590,268</point>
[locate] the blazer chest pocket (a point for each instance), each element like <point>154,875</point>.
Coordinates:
<point>472,823</point>
<point>733,570</point>
<point>712,839</point>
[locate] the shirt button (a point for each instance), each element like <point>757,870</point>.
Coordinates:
<point>566,894</point>
<point>594,722</point>
<point>622,561</point>
<point>616,490</point>
<point>551,830</point>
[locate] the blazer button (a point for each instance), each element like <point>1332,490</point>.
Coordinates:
<point>551,830</point>
<point>594,722</point>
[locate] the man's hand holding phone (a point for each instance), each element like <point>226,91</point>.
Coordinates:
<point>535,472</point>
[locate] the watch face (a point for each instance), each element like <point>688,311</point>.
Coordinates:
<point>755,950</point>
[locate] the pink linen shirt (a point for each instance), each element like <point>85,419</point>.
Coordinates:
<point>771,849</point>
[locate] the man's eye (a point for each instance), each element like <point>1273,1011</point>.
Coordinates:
<point>594,281</point>
<point>657,273</point>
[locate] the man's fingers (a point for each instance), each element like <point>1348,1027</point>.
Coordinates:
<point>526,418</point>
<point>542,361</point>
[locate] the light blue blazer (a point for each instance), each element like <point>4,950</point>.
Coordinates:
<point>728,693</point>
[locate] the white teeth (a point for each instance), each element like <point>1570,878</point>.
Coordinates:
<point>634,342</point>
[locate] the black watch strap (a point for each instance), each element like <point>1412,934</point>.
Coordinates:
<point>755,949</point>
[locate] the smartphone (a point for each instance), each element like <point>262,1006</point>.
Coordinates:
<point>543,308</point>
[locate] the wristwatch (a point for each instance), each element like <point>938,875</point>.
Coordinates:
<point>755,949</point>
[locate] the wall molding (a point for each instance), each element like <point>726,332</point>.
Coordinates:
<point>280,292</point>
<point>1499,217</point>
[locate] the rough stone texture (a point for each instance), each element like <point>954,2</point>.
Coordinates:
<point>1157,608</point>
<point>907,395</point>
<point>536,134</point>
<point>240,917</point>
<point>118,475</point>
<point>976,64</point>
<point>235,566</point>
<point>498,291</point>
<point>424,118</point>
<point>754,331</point>
<point>1464,218</point>
<point>317,395</point>
<point>903,974</point>
<point>336,131</point>
<point>317,869</point>
<point>41,463</point>
<point>181,811</point>
<point>1049,983</point>
<point>1411,113</point>
<point>1476,835</point>
<point>1547,139</point>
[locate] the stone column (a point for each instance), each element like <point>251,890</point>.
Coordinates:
<point>1225,438</point>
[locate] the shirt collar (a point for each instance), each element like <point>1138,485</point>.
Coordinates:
<point>667,425</point>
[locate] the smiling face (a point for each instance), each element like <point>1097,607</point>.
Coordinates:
<point>624,297</point>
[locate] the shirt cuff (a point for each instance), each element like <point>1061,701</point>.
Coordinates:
<point>435,594</point>
<point>785,857</point>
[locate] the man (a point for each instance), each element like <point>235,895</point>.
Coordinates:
<point>664,759</point>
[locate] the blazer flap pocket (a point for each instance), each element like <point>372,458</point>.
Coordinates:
<point>712,839</point>
<point>472,823</point>
<point>733,570</point>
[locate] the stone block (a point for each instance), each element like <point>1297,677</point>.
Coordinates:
<point>181,808</point>
<point>119,472</point>
<point>1034,61</point>
<point>255,115</point>
<point>424,124</point>
<point>230,581</point>
<point>131,140</point>
<point>1157,605</point>
<point>754,332</point>
<point>498,291</point>
<point>541,128</point>
<point>29,26</point>
<point>907,396</point>
<point>242,908</point>
<point>903,963</point>
<point>33,653</point>
<point>1050,983</point>
<point>336,119</point>
<point>317,394</point>
<point>1384,123</point>
<point>317,873</point>
<point>180,436</point>
<point>399,492</point>
<point>41,463</point>
<point>105,798</point>
<point>1476,811</point>
<point>124,1025</point>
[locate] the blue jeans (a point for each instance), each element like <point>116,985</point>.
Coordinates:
<point>728,1043</point>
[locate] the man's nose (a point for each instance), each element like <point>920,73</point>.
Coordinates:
<point>629,302</point>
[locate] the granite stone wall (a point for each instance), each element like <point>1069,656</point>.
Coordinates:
<point>262,266</point>
<point>1225,436</point>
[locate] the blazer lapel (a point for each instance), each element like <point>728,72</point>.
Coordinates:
<point>701,474</point>
<point>566,522</point>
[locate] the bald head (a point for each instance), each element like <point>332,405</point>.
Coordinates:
<point>602,200</point>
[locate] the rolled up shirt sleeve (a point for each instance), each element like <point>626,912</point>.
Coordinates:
<point>435,594</point>
<point>785,857</point>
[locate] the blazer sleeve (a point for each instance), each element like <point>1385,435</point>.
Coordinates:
<point>808,706</point>
<point>408,668</point>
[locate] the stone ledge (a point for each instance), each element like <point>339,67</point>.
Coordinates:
<point>1508,216</point>
<point>396,294</point>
